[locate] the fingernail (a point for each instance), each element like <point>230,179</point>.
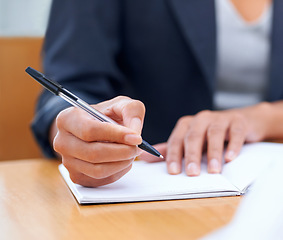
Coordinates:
<point>133,139</point>
<point>174,168</point>
<point>214,166</point>
<point>192,169</point>
<point>136,124</point>
<point>230,156</point>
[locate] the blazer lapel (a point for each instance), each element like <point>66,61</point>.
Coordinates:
<point>196,19</point>
<point>275,90</point>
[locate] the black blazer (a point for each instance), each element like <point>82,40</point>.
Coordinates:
<point>162,52</point>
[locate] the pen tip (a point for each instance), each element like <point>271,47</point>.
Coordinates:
<point>161,156</point>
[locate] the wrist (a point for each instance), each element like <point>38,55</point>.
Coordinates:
<point>265,115</point>
<point>259,120</point>
<point>274,120</point>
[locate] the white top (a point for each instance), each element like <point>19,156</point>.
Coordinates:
<point>242,57</point>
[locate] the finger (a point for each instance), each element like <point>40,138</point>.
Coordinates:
<point>96,170</point>
<point>86,128</point>
<point>237,134</point>
<point>87,181</point>
<point>129,111</point>
<point>194,141</point>
<point>93,152</point>
<point>215,144</point>
<point>161,148</point>
<point>175,147</point>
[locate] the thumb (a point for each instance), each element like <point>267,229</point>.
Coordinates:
<point>126,111</point>
<point>133,114</point>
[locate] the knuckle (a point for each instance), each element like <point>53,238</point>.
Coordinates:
<point>239,130</point>
<point>58,144</point>
<point>239,117</point>
<point>236,143</point>
<point>214,153</point>
<point>64,115</point>
<point>215,129</point>
<point>67,163</point>
<point>174,140</point>
<point>264,106</point>
<point>129,152</point>
<point>115,135</point>
<point>60,119</point>
<point>173,152</point>
<point>191,156</point>
<point>86,134</point>
<point>214,150</point>
<point>134,105</point>
<point>204,114</point>
<point>193,135</point>
<point>139,104</point>
<point>239,121</point>
<point>114,178</point>
<point>91,154</point>
<point>76,177</point>
<point>99,171</point>
<point>122,97</point>
<point>88,129</point>
<point>182,121</point>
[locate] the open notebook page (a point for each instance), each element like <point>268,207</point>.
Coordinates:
<point>150,181</point>
<point>253,159</point>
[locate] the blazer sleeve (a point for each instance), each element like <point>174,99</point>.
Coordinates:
<point>81,51</point>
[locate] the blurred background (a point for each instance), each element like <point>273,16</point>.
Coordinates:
<point>23,18</point>
<point>22,28</point>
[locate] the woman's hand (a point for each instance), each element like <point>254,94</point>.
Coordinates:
<point>210,130</point>
<point>98,153</point>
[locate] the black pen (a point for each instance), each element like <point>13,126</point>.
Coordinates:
<point>58,90</point>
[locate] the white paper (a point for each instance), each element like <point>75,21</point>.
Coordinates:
<point>260,214</point>
<point>150,181</point>
<point>253,159</point>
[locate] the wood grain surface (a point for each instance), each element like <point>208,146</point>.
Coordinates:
<point>35,203</point>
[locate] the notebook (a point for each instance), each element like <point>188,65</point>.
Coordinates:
<point>151,182</point>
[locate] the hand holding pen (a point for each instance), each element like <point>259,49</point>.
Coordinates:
<point>97,152</point>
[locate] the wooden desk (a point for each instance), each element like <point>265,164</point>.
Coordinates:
<point>35,203</point>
